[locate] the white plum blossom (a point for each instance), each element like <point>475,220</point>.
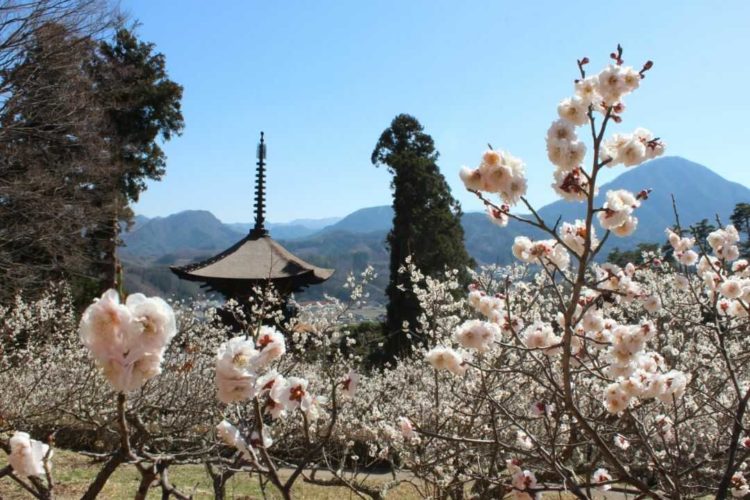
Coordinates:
<point>723,242</point>
<point>563,153</point>
<point>732,288</point>
<point>235,370</point>
<point>626,228</point>
<point>127,340</point>
<point>574,110</point>
<point>497,216</point>
<point>445,358</point>
<point>407,428</point>
<point>601,477</point>
<point>631,149</point>
<point>475,334</point>
<point>621,442</point>
<point>652,303</point>
<point>106,325</point>
<point>156,325</point>
<point>499,172</point>
<point>615,81</point>
<point>541,335</point>
<point>617,209</point>
<point>292,394</point>
<point>572,185</point>
<point>545,252</point>
<point>232,436</point>
<point>350,383</point>
<point>574,235</point>
<point>587,90</point>
<point>27,456</point>
<point>271,346</point>
<point>265,442</point>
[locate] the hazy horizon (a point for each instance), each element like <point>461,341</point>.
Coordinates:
<point>474,208</point>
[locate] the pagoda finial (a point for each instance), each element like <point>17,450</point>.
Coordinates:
<point>260,191</point>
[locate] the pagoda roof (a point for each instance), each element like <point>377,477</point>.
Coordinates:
<point>255,258</point>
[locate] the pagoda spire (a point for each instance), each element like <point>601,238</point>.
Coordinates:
<point>260,192</point>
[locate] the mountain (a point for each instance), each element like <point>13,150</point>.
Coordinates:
<point>364,220</point>
<point>296,229</point>
<point>357,240</point>
<point>699,193</point>
<point>192,231</point>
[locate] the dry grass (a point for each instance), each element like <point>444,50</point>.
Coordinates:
<point>73,473</point>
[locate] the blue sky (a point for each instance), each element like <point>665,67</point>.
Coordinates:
<point>323,79</point>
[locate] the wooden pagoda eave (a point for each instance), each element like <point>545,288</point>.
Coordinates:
<point>253,259</point>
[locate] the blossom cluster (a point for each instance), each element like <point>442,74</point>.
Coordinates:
<point>617,213</point>
<point>28,456</point>
<point>549,253</point>
<point>499,172</point>
<point>242,373</point>
<point>730,284</point>
<point>639,374</point>
<point>128,340</point>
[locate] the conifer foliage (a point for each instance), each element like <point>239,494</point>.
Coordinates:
<point>426,223</point>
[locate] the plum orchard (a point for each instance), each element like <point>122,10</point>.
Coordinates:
<point>555,374</point>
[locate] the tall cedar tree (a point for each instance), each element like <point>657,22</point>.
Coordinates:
<point>426,223</point>
<point>142,105</point>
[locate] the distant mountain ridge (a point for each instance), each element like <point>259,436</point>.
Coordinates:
<point>358,239</point>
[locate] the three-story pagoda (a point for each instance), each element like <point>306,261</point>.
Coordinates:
<point>256,259</point>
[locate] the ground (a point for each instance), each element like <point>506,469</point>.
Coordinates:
<point>73,472</point>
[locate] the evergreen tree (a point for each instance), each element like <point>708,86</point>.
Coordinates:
<point>142,105</point>
<point>623,257</point>
<point>700,231</point>
<point>741,219</point>
<point>426,223</point>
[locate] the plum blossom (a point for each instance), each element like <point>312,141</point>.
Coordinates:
<point>292,394</point>
<point>523,481</point>
<point>615,81</point>
<point>271,346</point>
<point>631,149</point>
<point>600,477</point>
<point>740,487</point>
<point>235,370</point>
<point>574,235</point>
<point>617,209</point>
<point>621,442</point>
<point>105,326</point>
<point>232,436</point>
<point>497,216</point>
<point>563,153</point>
<point>445,358</point>
<point>587,90</point>
<point>127,340</point>
<point>652,303</point>
<point>572,185</point>
<point>27,456</point>
<point>475,334</point>
<point>545,252</point>
<point>574,110</point>
<point>265,442</point>
<point>350,383</point>
<point>499,172</point>
<point>407,429</point>
<point>540,335</point>
<point>723,242</point>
